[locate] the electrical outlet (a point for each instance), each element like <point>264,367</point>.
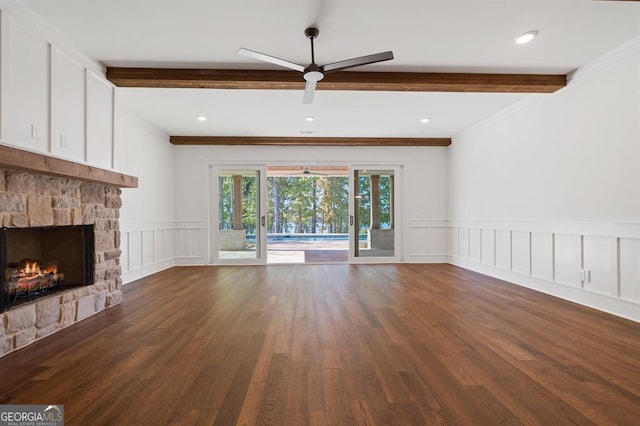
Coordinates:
<point>35,132</point>
<point>585,275</point>
<point>63,141</point>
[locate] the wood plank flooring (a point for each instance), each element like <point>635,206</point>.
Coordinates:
<point>334,345</point>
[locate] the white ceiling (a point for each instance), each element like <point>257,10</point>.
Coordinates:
<point>425,35</point>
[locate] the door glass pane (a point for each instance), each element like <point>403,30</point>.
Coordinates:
<point>238,213</point>
<point>374,213</point>
<point>307,214</point>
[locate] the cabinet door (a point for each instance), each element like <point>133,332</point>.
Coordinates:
<point>67,107</point>
<point>26,114</point>
<point>100,99</point>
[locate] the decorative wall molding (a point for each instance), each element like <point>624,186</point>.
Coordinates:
<point>34,115</point>
<point>426,240</point>
<point>591,263</point>
<point>147,248</point>
<point>45,30</point>
<point>594,264</point>
<point>190,243</point>
<point>622,228</point>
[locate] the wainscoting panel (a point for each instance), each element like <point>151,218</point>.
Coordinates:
<point>542,255</point>
<point>503,249</point>
<point>437,240</point>
<point>630,269</point>
<point>158,245</point>
<point>427,240</point>
<point>463,242</point>
<point>453,245</point>
<point>475,244</point>
<point>488,253</point>
<point>418,241</point>
<point>135,250</point>
<point>600,256</point>
<point>190,243</point>
<point>146,249</point>
<point>169,245</point>
<point>566,258</point>
<point>598,267</point>
<point>521,252</point>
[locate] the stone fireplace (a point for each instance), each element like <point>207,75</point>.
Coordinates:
<point>36,207</point>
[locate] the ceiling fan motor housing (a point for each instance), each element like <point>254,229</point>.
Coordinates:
<point>311,32</point>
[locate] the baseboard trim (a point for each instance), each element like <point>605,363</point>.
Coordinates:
<point>427,258</point>
<point>138,273</point>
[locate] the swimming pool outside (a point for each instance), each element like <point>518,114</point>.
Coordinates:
<point>305,237</point>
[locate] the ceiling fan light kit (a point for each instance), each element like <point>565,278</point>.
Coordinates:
<point>313,73</point>
<point>526,37</point>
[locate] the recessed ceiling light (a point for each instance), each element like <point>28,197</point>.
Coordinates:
<point>309,118</point>
<point>526,37</point>
<point>425,120</point>
<point>201,118</point>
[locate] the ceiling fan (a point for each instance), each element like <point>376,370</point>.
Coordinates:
<point>313,73</point>
<point>306,171</point>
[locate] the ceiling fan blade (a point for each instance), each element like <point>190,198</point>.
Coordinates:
<point>272,59</point>
<point>356,62</point>
<point>309,90</point>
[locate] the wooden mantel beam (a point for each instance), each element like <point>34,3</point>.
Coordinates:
<point>345,80</point>
<point>18,159</point>
<point>307,141</point>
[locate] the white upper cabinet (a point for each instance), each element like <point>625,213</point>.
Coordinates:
<point>25,94</point>
<point>67,107</point>
<point>100,102</point>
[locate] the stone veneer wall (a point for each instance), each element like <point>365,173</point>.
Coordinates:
<point>381,239</point>
<point>29,200</point>
<point>233,239</point>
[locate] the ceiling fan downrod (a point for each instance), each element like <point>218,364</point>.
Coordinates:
<point>312,72</point>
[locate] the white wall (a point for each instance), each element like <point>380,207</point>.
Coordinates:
<point>146,217</point>
<point>424,194</point>
<point>551,187</point>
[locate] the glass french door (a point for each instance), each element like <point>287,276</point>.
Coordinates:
<point>374,214</point>
<point>238,222</point>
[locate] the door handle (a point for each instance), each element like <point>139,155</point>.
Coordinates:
<point>351,220</point>
<point>263,221</point>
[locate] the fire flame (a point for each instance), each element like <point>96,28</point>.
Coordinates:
<point>34,269</point>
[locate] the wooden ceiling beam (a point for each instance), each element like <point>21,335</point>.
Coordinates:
<point>307,141</point>
<point>344,80</point>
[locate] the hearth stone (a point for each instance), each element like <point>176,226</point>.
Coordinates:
<point>19,319</point>
<point>47,312</point>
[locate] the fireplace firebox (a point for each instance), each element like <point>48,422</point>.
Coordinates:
<point>37,262</point>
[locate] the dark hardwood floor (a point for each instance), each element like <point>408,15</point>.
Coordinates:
<point>336,345</point>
